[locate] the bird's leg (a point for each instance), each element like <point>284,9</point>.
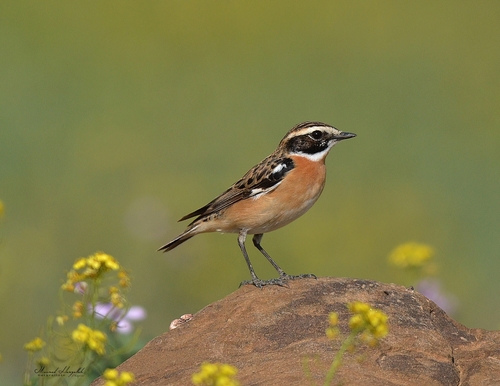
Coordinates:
<point>256,241</point>
<point>255,280</point>
<point>283,275</point>
<point>241,242</point>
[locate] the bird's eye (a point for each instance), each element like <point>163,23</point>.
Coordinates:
<point>316,134</point>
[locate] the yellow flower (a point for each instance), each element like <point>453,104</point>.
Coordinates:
<point>94,339</point>
<point>124,279</point>
<point>90,273</point>
<point>61,319</point>
<point>371,323</point>
<point>215,374</point>
<point>35,345</point>
<point>43,361</point>
<point>114,378</point>
<point>332,332</point>
<point>81,334</point>
<point>359,307</point>
<point>411,255</point>
<point>73,277</point>
<point>2,208</point>
<point>117,300</point>
<point>96,342</point>
<point>333,319</point>
<point>113,326</point>
<point>90,267</point>
<point>78,308</point>
<point>110,374</point>
<point>80,263</point>
<point>101,259</point>
<point>70,287</point>
<point>356,322</point>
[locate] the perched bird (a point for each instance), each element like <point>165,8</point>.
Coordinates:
<point>270,195</point>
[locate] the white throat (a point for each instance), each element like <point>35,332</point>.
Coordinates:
<point>316,156</point>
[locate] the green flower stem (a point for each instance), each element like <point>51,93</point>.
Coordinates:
<point>348,342</point>
<point>27,377</point>
<point>93,297</point>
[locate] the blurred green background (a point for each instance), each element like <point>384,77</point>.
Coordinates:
<point>119,117</point>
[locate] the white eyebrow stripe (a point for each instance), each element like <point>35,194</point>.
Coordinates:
<point>309,130</point>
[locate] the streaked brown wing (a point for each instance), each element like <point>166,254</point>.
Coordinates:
<point>229,197</point>
<point>258,180</point>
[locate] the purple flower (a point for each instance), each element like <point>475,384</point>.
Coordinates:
<point>123,317</point>
<point>431,288</point>
<point>80,287</point>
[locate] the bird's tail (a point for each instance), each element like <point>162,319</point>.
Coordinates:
<point>186,235</point>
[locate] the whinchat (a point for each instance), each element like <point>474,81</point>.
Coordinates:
<point>270,195</point>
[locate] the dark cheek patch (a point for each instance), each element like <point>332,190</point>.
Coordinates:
<point>306,145</point>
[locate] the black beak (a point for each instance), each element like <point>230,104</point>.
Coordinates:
<point>344,135</point>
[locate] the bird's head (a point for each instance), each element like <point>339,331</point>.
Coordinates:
<point>312,140</point>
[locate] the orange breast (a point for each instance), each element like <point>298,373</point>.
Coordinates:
<point>298,191</point>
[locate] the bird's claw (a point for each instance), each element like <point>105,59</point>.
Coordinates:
<point>285,276</point>
<point>281,281</point>
<point>261,283</point>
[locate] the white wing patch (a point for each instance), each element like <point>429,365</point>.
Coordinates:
<point>257,193</point>
<point>278,168</point>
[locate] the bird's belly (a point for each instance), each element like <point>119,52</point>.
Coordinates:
<point>268,212</point>
<point>276,219</point>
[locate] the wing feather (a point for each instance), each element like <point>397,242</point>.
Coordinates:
<point>259,180</point>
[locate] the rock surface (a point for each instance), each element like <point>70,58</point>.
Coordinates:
<point>276,336</point>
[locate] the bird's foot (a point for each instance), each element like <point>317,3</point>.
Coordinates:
<point>281,281</point>
<point>286,276</point>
